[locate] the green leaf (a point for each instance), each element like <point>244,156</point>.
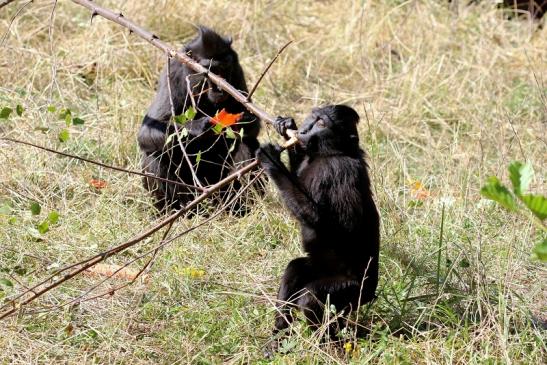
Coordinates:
<point>51,109</point>
<point>78,121</point>
<point>64,112</point>
<point>169,139</point>
<point>464,263</point>
<point>35,208</point>
<point>183,133</point>
<point>521,175</point>
<point>198,157</point>
<point>6,283</point>
<point>68,120</point>
<point>181,119</point>
<point>190,113</point>
<point>43,227</point>
<point>537,204</point>
<point>53,217</point>
<point>19,270</point>
<point>241,133</point>
<point>540,250</point>
<point>497,192</point>
<point>230,133</point>
<point>64,135</point>
<point>5,112</point>
<point>19,109</point>
<point>217,128</point>
<point>41,129</point>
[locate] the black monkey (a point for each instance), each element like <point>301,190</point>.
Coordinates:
<point>212,155</point>
<point>328,191</point>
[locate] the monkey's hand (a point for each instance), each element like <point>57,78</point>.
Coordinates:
<point>282,124</point>
<point>269,156</point>
<point>198,126</point>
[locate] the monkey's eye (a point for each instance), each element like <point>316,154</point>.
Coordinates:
<point>320,123</point>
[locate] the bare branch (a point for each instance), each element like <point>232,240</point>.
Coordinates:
<point>115,168</point>
<point>39,289</point>
<point>267,69</point>
<point>180,56</point>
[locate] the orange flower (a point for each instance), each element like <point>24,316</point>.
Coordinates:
<point>226,119</point>
<point>97,183</point>
<point>418,191</point>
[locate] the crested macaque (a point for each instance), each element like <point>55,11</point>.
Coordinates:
<point>211,155</point>
<point>328,190</point>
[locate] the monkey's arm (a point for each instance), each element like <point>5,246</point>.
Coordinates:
<point>160,109</point>
<point>296,198</point>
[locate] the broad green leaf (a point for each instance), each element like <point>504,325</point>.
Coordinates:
<point>43,227</point>
<point>217,128</point>
<point>521,175</point>
<point>181,119</point>
<point>6,283</point>
<point>64,135</point>
<point>5,112</point>
<point>51,109</point>
<point>230,133</point>
<point>540,250</point>
<point>190,113</point>
<point>19,109</point>
<point>537,204</point>
<point>35,208</point>
<point>53,217</point>
<point>78,121</point>
<point>494,190</point>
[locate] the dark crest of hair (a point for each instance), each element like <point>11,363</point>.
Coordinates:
<point>209,44</point>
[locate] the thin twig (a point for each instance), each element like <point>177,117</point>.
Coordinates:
<point>183,149</point>
<point>5,2</point>
<point>87,263</point>
<point>5,36</point>
<point>115,168</point>
<point>267,69</point>
<point>178,55</point>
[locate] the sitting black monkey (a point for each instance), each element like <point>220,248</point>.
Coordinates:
<point>328,191</point>
<point>213,156</point>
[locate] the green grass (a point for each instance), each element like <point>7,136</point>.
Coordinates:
<point>445,99</point>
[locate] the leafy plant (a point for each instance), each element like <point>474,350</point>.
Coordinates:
<point>534,206</point>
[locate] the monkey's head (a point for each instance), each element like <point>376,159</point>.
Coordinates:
<point>215,53</point>
<point>330,130</point>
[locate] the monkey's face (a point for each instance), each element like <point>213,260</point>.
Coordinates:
<point>221,68</point>
<point>329,129</point>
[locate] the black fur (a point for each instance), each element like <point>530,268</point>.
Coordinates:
<point>328,191</point>
<point>217,159</point>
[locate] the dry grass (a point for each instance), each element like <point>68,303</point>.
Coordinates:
<point>445,99</point>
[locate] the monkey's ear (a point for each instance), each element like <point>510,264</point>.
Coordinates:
<point>228,40</point>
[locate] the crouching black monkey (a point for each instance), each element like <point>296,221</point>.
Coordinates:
<point>213,156</point>
<point>328,191</point>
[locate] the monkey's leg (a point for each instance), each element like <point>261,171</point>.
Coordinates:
<point>338,291</point>
<point>296,275</point>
